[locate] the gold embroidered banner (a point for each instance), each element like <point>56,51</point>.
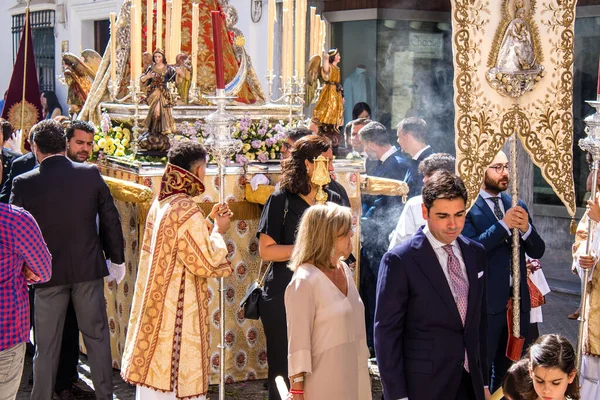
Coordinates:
<point>499,54</point>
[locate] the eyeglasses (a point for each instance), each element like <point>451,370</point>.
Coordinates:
<point>499,168</point>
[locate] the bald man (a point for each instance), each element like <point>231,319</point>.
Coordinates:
<point>490,222</point>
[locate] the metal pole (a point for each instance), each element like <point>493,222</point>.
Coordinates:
<point>26,33</point>
<point>221,167</point>
<point>516,236</point>
<point>586,272</point>
<point>221,146</point>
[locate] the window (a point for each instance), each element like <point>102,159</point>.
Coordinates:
<point>42,30</point>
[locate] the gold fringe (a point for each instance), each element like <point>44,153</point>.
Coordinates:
<point>128,192</point>
<point>573,227</point>
<point>390,187</point>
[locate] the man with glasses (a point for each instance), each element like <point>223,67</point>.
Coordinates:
<point>490,222</point>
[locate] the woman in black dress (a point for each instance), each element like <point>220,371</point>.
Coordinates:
<point>277,234</point>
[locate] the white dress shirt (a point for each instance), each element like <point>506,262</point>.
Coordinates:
<point>409,222</point>
<point>387,154</point>
<point>418,153</point>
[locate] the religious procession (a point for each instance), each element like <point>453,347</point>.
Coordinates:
<point>300,199</point>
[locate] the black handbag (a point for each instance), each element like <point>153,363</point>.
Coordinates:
<point>250,300</point>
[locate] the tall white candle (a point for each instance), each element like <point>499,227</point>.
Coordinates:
<point>169,12</point>
<point>176,29</point>
<point>138,36</point>
<point>313,31</point>
<point>159,24</point>
<point>270,35</point>
<point>195,21</point>
<point>284,41</point>
<point>301,50</point>
<point>132,41</point>
<point>113,47</point>
<point>149,23</point>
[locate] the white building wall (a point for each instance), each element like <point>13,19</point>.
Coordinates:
<point>78,30</point>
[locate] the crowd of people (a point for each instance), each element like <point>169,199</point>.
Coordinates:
<point>434,283</point>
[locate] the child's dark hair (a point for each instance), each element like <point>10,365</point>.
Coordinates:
<point>555,351</point>
<point>517,384</point>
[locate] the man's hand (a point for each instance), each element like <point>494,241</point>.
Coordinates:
<point>29,275</point>
<point>223,218</point>
<point>586,262</point>
<point>14,142</point>
<point>593,210</point>
<point>517,217</point>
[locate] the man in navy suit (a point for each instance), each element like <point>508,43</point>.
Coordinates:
<point>379,214</point>
<point>412,138</point>
<point>490,222</point>
<point>430,320</point>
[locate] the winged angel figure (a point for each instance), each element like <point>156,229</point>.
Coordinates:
<point>79,73</point>
<point>329,111</point>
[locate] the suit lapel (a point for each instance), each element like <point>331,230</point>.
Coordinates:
<point>507,201</point>
<point>472,271</point>
<point>482,204</point>
<point>428,262</point>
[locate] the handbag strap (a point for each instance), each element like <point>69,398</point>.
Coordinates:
<point>261,280</point>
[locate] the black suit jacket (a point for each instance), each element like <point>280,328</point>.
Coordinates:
<point>420,340</point>
<point>8,156</point>
<point>65,198</point>
<point>415,182</point>
<point>19,166</point>
<point>483,226</point>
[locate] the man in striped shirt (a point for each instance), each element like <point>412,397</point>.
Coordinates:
<point>24,258</point>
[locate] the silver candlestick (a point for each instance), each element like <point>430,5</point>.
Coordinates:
<point>591,144</point>
<point>136,97</point>
<point>221,145</point>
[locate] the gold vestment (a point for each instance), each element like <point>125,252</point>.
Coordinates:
<point>167,345</point>
<point>591,338</point>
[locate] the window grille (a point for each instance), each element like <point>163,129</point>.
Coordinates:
<point>42,31</point>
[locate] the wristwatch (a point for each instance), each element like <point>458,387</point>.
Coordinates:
<point>298,379</point>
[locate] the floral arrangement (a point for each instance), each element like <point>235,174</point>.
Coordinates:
<point>261,140</point>
<point>111,140</point>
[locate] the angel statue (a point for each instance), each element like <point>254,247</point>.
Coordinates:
<point>159,120</point>
<point>516,69</point>
<point>78,75</point>
<point>183,79</point>
<point>328,114</point>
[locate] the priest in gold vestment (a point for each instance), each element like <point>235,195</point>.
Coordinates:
<point>166,352</point>
<point>590,369</point>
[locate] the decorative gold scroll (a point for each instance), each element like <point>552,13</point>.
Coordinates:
<point>542,118</point>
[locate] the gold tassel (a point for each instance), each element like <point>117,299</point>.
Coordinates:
<point>573,226</point>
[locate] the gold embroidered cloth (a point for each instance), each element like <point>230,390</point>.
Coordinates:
<point>591,332</point>
<point>168,341</point>
<point>542,118</point>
